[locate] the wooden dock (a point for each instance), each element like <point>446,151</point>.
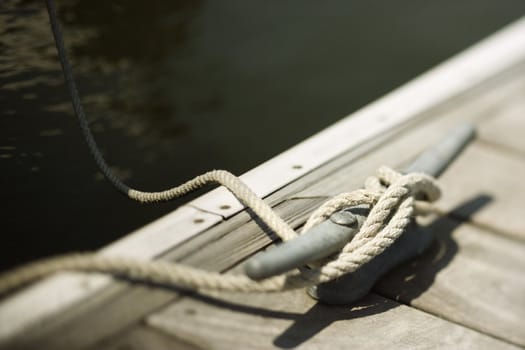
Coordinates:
<point>466,292</point>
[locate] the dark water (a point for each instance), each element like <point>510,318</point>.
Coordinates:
<point>175,88</point>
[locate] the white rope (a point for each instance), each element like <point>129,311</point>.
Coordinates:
<point>390,195</point>
<point>234,185</point>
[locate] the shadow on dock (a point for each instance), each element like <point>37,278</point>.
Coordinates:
<point>417,276</point>
<point>401,285</point>
<point>411,279</point>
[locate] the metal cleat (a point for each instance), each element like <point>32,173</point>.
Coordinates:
<point>331,235</point>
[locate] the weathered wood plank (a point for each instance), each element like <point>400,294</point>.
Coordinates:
<point>485,170</point>
<point>70,290</point>
<point>127,305</point>
<point>121,305</point>
<point>147,338</point>
<point>292,319</point>
<point>469,276</point>
<point>508,129</point>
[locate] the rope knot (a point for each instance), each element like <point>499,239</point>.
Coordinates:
<point>419,185</point>
<point>393,199</point>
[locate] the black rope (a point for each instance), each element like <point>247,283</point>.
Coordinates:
<point>77,105</point>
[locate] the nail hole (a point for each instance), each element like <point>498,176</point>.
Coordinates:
<point>190,312</point>
<point>225,207</point>
<point>198,221</point>
<point>297,166</point>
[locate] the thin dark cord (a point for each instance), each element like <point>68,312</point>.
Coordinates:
<point>77,105</point>
<point>239,189</point>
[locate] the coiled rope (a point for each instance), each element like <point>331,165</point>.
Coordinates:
<point>390,195</point>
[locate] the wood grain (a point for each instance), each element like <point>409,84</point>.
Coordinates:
<point>114,314</point>
<point>293,320</point>
<point>469,276</point>
<point>508,129</point>
<point>147,338</point>
<point>121,306</point>
<point>488,171</point>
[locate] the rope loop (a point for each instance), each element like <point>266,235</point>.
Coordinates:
<point>391,197</point>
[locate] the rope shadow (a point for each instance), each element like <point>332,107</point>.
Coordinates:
<point>321,316</point>
<point>305,325</point>
<point>411,280</point>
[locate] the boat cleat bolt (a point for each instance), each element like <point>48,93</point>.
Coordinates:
<point>343,218</point>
